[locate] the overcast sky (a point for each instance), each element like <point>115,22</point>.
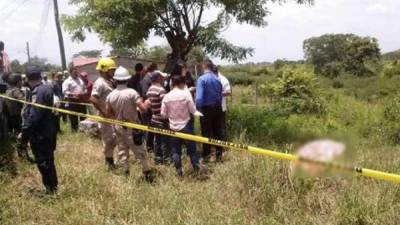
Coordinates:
<point>288,25</point>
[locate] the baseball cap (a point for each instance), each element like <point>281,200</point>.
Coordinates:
<point>33,72</point>
<point>157,74</point>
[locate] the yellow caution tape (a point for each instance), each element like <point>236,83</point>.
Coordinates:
<point>254,150</point>
<point>75,103</point>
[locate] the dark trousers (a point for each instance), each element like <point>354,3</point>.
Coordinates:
<point>211,127</point>
<point>161,145</point>
<point>3,126</point>
<point>223,127</point>
<point>146,119</point>
<point>59,123</point>
<point>43,150</point>
<point>64,116</point>
<point>14,124</point>
<point>74,120</point>
<point>176,147</point>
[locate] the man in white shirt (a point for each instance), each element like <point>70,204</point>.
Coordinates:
<point>226,91</point>
<point>73,90</point>
<point>178,106</point>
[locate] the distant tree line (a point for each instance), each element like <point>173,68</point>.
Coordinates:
<point>42,63</point>
<point>392,56</point>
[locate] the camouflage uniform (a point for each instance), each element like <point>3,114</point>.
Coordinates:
<point>3,121</point>
<point>14,109</point>
<point>15,120</point>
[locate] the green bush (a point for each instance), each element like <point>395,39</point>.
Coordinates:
<point>295,91</point>
<point>257,124</point>
<point>246,74</point>
<point>240,79</point>
<point>392,69</point>
<point>337,84</point>
<point>267,126</point>
<point>392,120</point>
<point>332,69</point>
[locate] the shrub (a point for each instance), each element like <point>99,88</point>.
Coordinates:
<point>240,79</point>
<point>332,70</point>
<point>337,84</point>
<point>391,69</point>
<point>392,120</point>
<point>261,71</point>
<point>257,124</point>
<point>264,125</point>
<point>295,91</point>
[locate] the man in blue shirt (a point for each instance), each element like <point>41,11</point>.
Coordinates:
<point>208,102</point>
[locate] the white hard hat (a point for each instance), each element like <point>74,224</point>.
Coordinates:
<point>122,74</point>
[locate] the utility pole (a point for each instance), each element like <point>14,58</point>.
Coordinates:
<point>28,52</point>
<point>60,36</point>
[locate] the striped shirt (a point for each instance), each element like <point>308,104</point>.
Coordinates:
<point>156,94</point>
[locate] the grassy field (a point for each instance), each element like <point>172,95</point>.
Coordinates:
<point>245,189</point>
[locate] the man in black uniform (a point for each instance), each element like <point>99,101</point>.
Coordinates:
<point>40,128</point>
<point>134,81</point>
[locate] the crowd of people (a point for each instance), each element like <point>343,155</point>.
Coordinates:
<point>149,97</point>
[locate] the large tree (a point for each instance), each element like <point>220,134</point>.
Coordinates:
<point>128,23</point>
<point>333,53</point>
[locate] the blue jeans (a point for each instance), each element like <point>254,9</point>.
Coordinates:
<point>176,147</point>
<point>161,145</point>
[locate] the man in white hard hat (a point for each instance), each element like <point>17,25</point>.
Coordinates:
<point>122,104</point>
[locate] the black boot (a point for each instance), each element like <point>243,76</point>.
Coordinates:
<point>149,176</point>
<point>49,176</point>
<point>179,172</point>
<point>110,163</point>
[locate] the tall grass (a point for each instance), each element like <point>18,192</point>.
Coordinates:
<point>244,190</point>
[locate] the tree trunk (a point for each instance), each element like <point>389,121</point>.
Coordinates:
<point>180,49</point>
<point>172,59</point>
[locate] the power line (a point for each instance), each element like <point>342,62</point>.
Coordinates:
<point>7,6</point>
<point>42,24</point>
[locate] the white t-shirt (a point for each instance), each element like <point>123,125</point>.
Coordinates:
<point>226,88</point>
<point>73,86</point>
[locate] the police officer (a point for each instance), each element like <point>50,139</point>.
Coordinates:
<point>40,128</point>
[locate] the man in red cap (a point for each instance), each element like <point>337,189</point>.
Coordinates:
<point>88,84</point>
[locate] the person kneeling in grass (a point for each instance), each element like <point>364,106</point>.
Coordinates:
<point>178,106</point>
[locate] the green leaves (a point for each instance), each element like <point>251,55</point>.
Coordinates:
<point>294,91</point>
<point>129,23</point>
<point>123,23</point>
<point>333,53</point>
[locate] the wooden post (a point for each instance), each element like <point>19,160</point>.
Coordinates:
<point>28,52</point>
<point>60,36</point>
